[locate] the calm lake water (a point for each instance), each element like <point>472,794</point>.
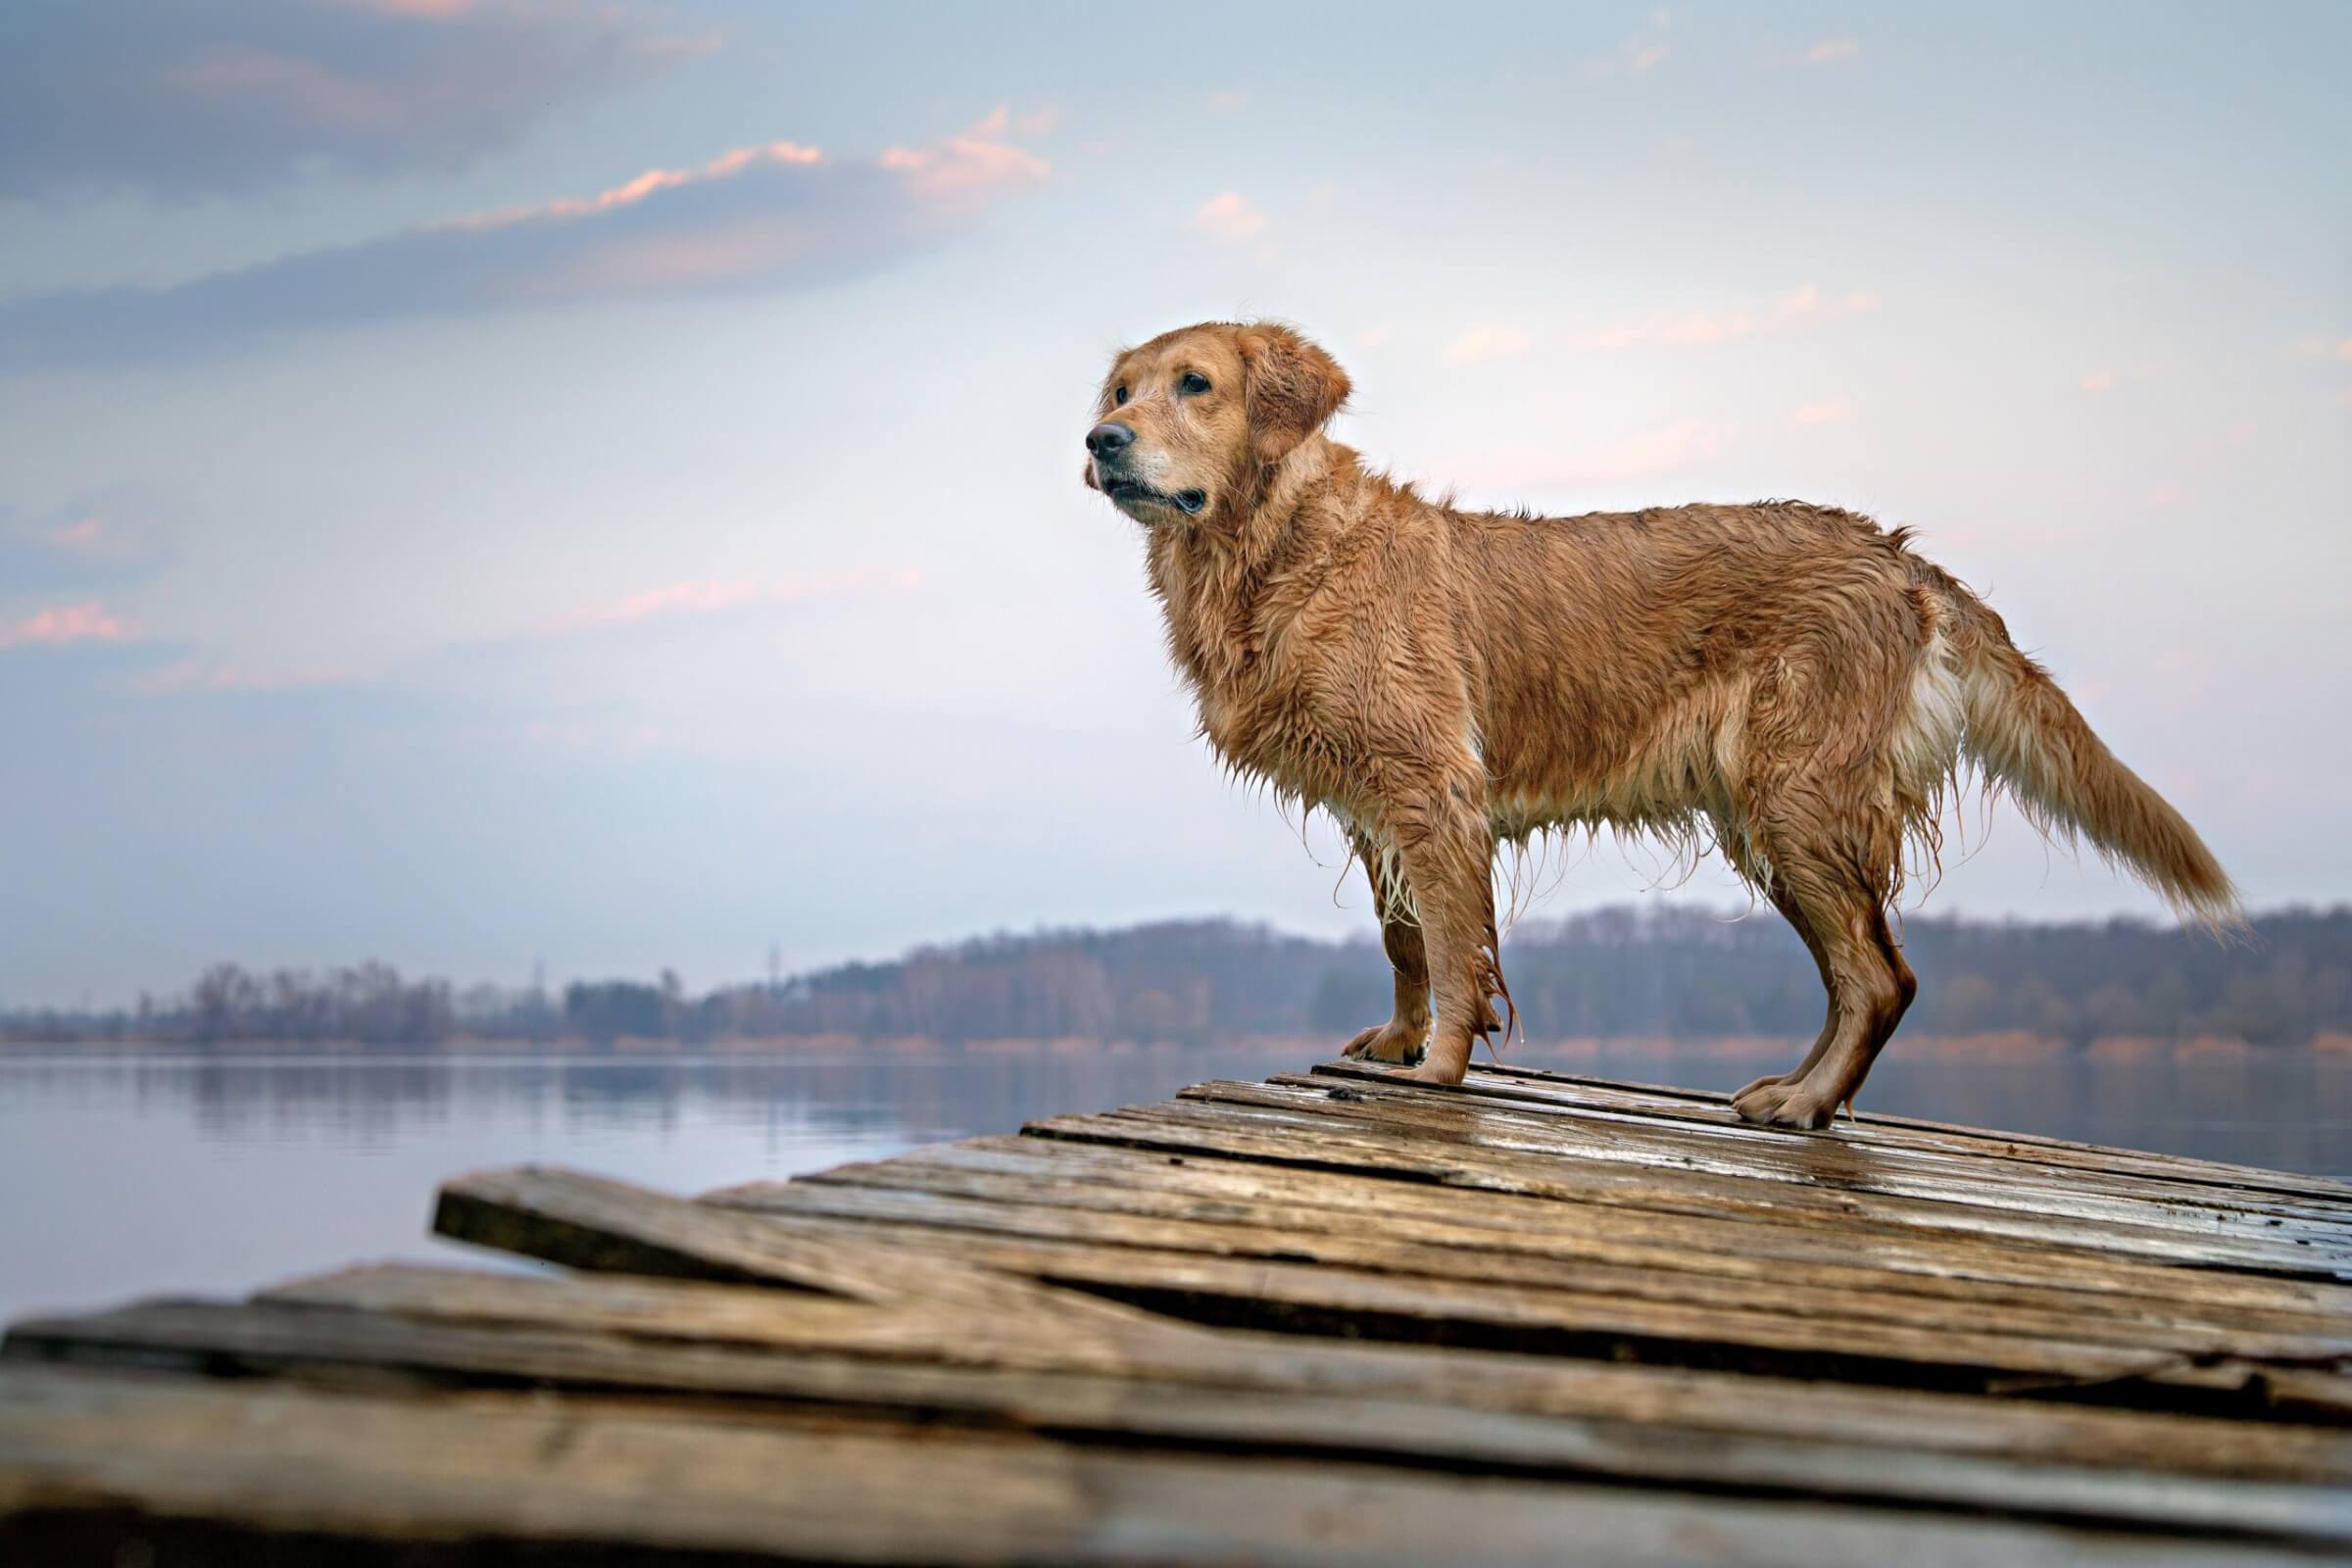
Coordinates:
<point>139,1173</point>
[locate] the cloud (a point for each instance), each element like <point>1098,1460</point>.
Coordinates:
<point>2319,347</point>
<point>77,549</point>
<point>187,676</point>
<point>2097,381</point>
<point>90,622</point>
<point>2169,497</point>
<point>228,95</point>
<point>1229,217</point>
<point>1831,50</point>
<point>1640,53</point>
<point>1682,444</point>
<point>975,163</point>
<point>84,536</point>
<point>686,599</point>
<point>1228,102</point>
<point>1488,343</point>
<point>774,215</point>
<point>1837,410</point>
<point>1798,308</point>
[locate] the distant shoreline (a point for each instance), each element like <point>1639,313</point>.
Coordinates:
<point>2004,1046</point>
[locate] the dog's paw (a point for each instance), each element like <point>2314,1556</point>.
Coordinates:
<point>1781,1102</point>
<point>1431,1072</point>
<point>1387,1043</point>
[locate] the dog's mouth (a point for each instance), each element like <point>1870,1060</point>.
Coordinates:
<point>1128,493</point>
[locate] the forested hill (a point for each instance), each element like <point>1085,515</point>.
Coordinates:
<point>1680,972</point>
<point>1671,972</point>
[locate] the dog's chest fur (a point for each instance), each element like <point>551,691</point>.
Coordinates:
<point>1225,623</point>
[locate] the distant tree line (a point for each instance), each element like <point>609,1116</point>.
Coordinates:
<point>1667,971</point>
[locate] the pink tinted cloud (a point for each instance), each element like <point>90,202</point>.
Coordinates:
<point>2097,381</point>
<point>426,10</point>
<point>81,535</point>
<point>303,89</point>
<point>1837,410</point>
<point>672,599</point>
<point>977,162</point>
<point>628,193</point>
<point>97,539</point>
<point>1228,216</point>
<point>1667,449</point>
<point>1640,53</point>
<point>1488,343</point>
<point>85,536</point>
<point>1798,309</point>
<point>776,215</point>
<point>687,600</point>
<point>1831,50</point>
<point>214,98</point>
<point>54,627</point>
<point>191,675</point>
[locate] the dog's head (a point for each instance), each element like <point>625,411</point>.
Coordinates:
<point>1189,422</point>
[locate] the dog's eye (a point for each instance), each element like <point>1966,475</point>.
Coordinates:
<point>1120,396</point>
<point>1192,383</point>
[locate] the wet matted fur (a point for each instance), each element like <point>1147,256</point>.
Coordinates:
<point>1790,683</point>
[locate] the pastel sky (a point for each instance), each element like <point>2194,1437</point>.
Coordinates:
<point>487,482</point>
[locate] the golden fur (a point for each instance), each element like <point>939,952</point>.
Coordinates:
<point>1788,682</point>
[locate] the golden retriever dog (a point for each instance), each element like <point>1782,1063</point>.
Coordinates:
<point>1788,682</point>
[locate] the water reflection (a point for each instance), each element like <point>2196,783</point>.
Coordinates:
<point>144,1171</point>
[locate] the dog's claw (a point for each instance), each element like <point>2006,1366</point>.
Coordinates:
<point>1379,1044</point>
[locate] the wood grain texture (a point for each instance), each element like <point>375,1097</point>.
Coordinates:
<point>1327,1318</point>
<point>492,1478</point>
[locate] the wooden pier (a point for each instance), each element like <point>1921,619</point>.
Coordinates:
<point>1330,1318</point>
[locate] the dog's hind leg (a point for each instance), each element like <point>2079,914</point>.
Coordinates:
<point>1400,1038</point>
<point>1841,910</point>
<point>1829,1025</point>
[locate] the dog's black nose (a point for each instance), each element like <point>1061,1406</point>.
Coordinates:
<point>1108,439</point>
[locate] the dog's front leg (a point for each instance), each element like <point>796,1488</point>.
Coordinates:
<point>1400,1038</point>
<point>1442,835</point>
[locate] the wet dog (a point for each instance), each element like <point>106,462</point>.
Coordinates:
<point>1790,683</point>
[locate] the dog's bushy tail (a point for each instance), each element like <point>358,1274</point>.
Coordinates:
<point>2026,734</point>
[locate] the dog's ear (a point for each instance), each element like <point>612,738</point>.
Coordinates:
<point>1292,388</point>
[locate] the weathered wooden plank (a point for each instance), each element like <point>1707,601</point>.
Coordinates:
<point>86,1458</point>
<point>589,1222</point>
<point>1824,1290</point>
<point>702,1314</point>
<point>1357,1426</point>
<point>1308,1299</point>
<point>1616,1168</point>
<point>1206,1186</point>
<point>2229,1229</point>
<point>2150,1178</point>
<point>1500,1161</point>
<point>1858,1345</point>
<point>1671,1099</point>
<point>1293,1203</point>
